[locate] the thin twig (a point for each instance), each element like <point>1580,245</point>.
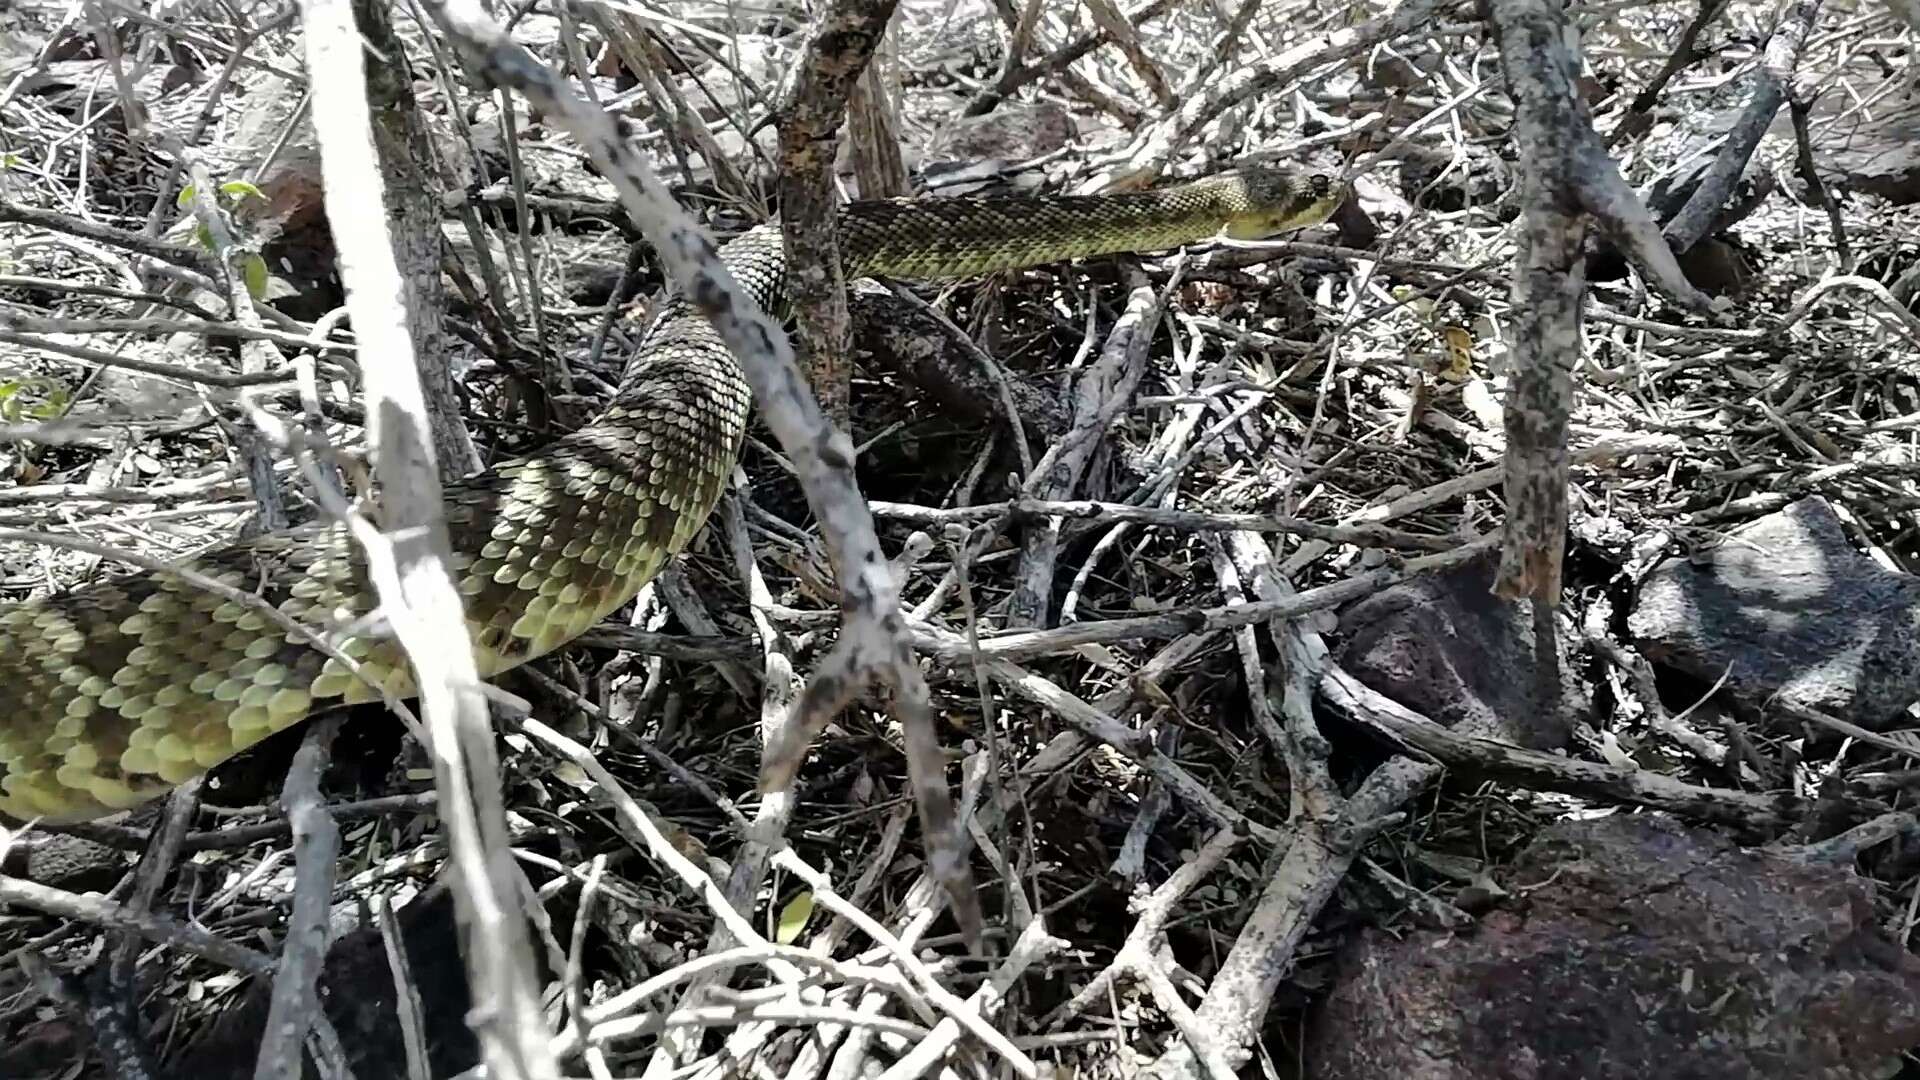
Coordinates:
<point>294,1001</point>
<point>408,566</point>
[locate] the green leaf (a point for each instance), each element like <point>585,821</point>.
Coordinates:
<point>205,236</point>
<point>54,407</point>
<point>253,271</point>
<point>240,189</point>
<point>18,399</point>
<point>186,197</point>
<point>793,918</point>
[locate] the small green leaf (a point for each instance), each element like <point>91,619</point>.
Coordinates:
<point>32,398</point>
<point>253,271</point>
<point>186,197</point>
<point>240,189</point>
<point>54,407</point>
<point>793,918</point>
<point>205,236</point>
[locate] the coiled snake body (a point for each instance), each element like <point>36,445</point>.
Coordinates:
<point>114,692</point>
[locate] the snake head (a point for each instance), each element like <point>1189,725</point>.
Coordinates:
<point>1275,200</point>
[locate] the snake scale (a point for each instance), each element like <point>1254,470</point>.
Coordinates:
<point>116,691</point>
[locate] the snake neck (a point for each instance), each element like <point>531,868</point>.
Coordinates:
<point>932,240</point>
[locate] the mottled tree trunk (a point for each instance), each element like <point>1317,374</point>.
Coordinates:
<point>413,220</point>
<point>837,53</point>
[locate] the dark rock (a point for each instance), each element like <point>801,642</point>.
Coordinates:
<point>1718,267</point>
<point>1639,949</point>
<point>357,992</point>
<point>359,996</point>
<point>66,862</point>
<point>1671,190</point>
<point>1874,150</point>
<point>1432,180</point>
<point>1013,132</point>
<point>891,334</point>
<point>1447,647</point>
<point>1786,606</point>
<point>44,1047</point>
<point>71,87</point>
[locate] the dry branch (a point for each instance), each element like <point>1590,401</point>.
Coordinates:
<point>1566,175</point>
<point>256,356</point>
<point>1099,395</point>
<point>295,1000</point>
<point>1325,831</point>
<point>1772,82</point>
<point>155,928</point>
<point>836,54</point>
<point>409,567</point>
<point>1480,756</point>
<point>1155,151</point>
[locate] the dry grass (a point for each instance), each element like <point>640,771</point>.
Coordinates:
<point>1317,386</point>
